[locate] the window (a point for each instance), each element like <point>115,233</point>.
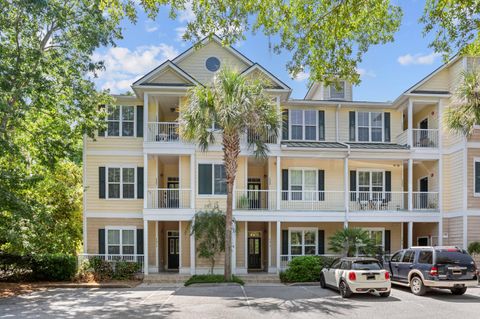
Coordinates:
<point>371,185</point>
<point>337,90</point>
<point>120,120</point>
<point>303,184</point>
<point>370,126</point>
<point>212,179</point>
<point>409,256</point>
<point>476,180</point>
<point>303,125</point>
<point>366,265</point>
<point>336,263</point>
<point>121,182</point>
<point>377,236</point>
<point>425,257</point>
<point>303,242</point>
<point>212,64</point>
<point>397,257</point>
<point>120,241</point>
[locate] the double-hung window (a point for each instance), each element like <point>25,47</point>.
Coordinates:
<point>121,182</point>
<point>303,241</point>
<point>337,90</point>
<point>476,180</point>
<point>371,185</point>
<point>303,184</point>
<point>120,120</point>
<point>212,179</point>
<point>303,125</point>
<point>120,241</point>
<point>370,126</point>
<point>377,235</point>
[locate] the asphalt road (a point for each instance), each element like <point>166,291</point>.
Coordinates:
<point>259,301</point>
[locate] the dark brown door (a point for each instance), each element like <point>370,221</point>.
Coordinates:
<point>424,192</point>
<point>254,199</point>
<point>173,253</point>
<point>254,253</point>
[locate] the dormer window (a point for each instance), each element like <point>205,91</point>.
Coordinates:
<point>337,90</point>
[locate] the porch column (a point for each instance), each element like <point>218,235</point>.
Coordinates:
<point>234,249</point>
<point>410,184</point>
<point>346,192</point>
<point>145,180</point>
<point>280,127</point>
<point>156,246</point>
<point>279,192</point>
<point>145,117</point>
<point>410,234</point>
<point>410,123</point>
<point>246,246</point>
<point>192,181</point>
<point>269,252</point>
<point>278,247</point>
<point>145,247</point>
<point>179,246</point>
<point>440,173</point>
<point>192,251</point>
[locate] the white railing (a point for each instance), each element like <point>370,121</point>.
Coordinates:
<point>168,198</point>
<point>424,138</point>
<point>286,259</point>
<point>312,200</point>
<point>255,199</point>
<point>425,200</point>
<point>163,132</point>
<point>378,201</point>
<point>112,258</point>
<point>402,138</point>
<point>251,136</point>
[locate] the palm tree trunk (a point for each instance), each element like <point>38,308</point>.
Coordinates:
<point>231,150</point>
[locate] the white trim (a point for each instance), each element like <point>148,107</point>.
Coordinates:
<point>257,66</point>
<point>102,214</point>
<point>334,87</point>
<point>382,229</point>
<point>84,193</point>
<point>475,160</point>
<point>179,245</point>
<point>302,229</point>
<point>156,247</point>
<point>121,229</point>
<point>213,163</point>
<point>120,122</point>
<point>370,127</point>
<point>304,125</point>
<point>114,153</point>
<point>121,167</point>
<point>246,245</point>
<point>152,74</point>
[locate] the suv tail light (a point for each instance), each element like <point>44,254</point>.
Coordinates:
<point>352,276</point>
<point>434,271</point>
<point>387,275</point>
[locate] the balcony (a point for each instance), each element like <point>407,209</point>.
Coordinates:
<point>312,200</point>
<point>378,201</point>
<point>168,198</point>
<point>421,138</point>
<point>425,201</point>
<point>256,199</point>
<point>163,132</point>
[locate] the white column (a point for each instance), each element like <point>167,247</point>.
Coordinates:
<point>279,189</point>
<point>179,246</point>
<point>465,230</point>
<point>410,123</point>
<point>192,252</point>
<point>410,234</point>
<point>246,247</point>
<point>346,191</point>
<point>440,171</point>
<point>410,184</point>
<point>156,246</point>
<point>145,117</point>
<point>145,180</point>
<point>402,245</point>
<point>192,181</point>
<point>145,247</point>
<point>280,127</point>
<point>234,249</point>
<point>278,247</point>
<point>269,246</point>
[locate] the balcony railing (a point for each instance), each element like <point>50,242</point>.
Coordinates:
<point>402,138</point>
<point>112,258</point>
<point>163,132</point>
<point>425,138</point>
<point>312,200</point>
<point>255,199</point>
<point>425,200</point>
<point>159,198</point>
<point>378,201</point>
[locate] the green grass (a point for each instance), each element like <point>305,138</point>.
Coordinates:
<point>211,279</point>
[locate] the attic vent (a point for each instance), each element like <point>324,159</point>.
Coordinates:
<point>212,64</point>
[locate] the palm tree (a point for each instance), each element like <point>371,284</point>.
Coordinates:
<point>464,112</point>
<point>236,105</point>
<point>352,241</point>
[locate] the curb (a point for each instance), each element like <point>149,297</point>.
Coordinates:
<point>304,284</point>
<point>219,284</point>
<point>87,286</point>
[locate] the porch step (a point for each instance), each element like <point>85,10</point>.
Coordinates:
<point>166,278</point>
<point>260,278</point>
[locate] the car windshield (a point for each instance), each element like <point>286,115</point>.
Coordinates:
<point>366,265</point>
<point>452,257</point>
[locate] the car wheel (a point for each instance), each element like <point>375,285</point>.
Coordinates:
<point>417,287</point>
<point>385,294</point>
<point>458,291</point>
<point>345,291</point>
<point>322,281</point>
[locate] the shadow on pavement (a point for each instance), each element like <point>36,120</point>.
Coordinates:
<point>443,295</point>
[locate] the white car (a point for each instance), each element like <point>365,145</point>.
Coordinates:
<point>356,275</point>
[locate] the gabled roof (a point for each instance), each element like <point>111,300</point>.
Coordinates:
<point>280,85</point>
<point>155,72</point>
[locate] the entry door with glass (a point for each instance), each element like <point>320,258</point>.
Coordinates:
<point>254,199</point>
<point>173,199</point>
<point>254,250</point>
<point>173,249</point>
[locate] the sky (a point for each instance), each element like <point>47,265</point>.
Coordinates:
<point>386,70</point>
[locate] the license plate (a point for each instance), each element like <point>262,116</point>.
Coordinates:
<point>370,277</point>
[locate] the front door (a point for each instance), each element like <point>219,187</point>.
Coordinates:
<point>424,192</point>
<point>173,253</point>
<point>423,137</point>
<point>172,192</point>
<point>254,194</point>
<point>254,253</point>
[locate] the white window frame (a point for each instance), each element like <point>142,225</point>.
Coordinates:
<point>304,126</point>
<point>120,120</point>
<point>302,169</point>
<point>357,126</point>
<point>121,167</point>
<point>213,179</point>
<point>302,229</point>
<point>121,229</point>
<point>370,181</point>
<point>475,160</point>
<point>376,229</point>
<point>333,86</point>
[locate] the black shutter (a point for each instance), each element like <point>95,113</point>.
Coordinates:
<point>321,125</point>
<point>321,242</point>
<point>388,185</point>
<point>353,186</point>
<point>101,241</point>
<point>477,177</point>
<point>284,184</point>
<point>386,119</point>
<point>205,179</point>
<point>139,121</point>
<point>285,125</point>
<point>387,242</point>
<point>139,182</point>
<point>351,121</point>
<point>139,241</point>
<point>285,242</point>
<point>101,182</point>
<point>101,132</point>
<point>321,185</point>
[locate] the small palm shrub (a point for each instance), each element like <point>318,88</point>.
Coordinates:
<point>304,269</point>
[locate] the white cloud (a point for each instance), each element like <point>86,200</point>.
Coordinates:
<point>302,76</point>
<point>366,73</point>
<point>186,15</point>
<point>150,26</point>
<point>419,58</point>
<point>123,66</point>
<point>180,31</point>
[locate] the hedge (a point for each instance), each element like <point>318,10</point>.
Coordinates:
<point>304,269</point>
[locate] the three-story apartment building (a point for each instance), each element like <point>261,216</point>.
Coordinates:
<point>391,168</point>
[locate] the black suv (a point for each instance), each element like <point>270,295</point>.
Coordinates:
<point>437,267</point>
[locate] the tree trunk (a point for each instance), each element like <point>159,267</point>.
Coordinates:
<point>231,150</point>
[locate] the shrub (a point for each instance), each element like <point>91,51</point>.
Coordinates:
<point>54,267</point>
<point>209,279</point>
<point>126,270</point>
<point>102,269</point>
<point>304,269</point>
<point>474,248</point>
